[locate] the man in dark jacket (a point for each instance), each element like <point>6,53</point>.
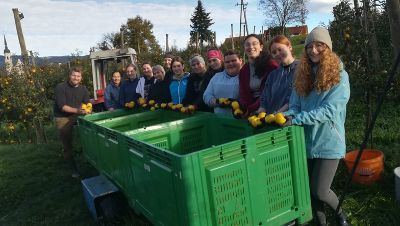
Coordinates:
<point>69,97</point>
<point>197,84</point>
<point>127,92</point>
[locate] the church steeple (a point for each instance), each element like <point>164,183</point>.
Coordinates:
<point>6,50</point>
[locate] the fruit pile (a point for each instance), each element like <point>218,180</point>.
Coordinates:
<point>236,109</point>
<point>263,118</point>
<point>224,102</point>
<point>87,107</point>
<point>152,105</point>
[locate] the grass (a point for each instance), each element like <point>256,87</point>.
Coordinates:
<point>36,187</point>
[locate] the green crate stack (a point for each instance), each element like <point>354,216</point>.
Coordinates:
<point>217,171</point>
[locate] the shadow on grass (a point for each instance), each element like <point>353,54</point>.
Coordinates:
<point>36,187</point>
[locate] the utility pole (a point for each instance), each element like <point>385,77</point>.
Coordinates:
<point>18,17</point>
<point>242,12</point>
<point>166,43</point>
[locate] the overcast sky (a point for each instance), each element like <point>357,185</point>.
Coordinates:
<point>61,27</point>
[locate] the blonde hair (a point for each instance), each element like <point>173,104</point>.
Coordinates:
<point>328,73</point>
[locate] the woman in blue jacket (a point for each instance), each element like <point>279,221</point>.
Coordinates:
<point>179,80</point>
<point>318,102</point>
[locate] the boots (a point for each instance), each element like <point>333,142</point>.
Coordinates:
<point>341,219</point>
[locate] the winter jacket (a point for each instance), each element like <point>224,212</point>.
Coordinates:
<point>111,96</point>
<point>278,88</point>
<point>323,116</point>
<point>177,88</point>
<point>127,92</point>
<point>222,85</point>
<point>195,90</point>
<point>246,98</point>
<point>159,92</point>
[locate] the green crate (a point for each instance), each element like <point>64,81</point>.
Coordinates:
<point>111,160</point>
<point>131,122</point>
<point>87,130</point>
<point>217,171</point>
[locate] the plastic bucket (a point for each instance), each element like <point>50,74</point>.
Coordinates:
<point>397,182</point>
<point>370,167</point>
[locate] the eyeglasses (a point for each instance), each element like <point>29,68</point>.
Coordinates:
<point>319,46</point>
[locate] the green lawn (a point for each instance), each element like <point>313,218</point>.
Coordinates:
<point>36,187</point>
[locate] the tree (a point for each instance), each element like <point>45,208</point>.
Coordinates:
<point>393,7</point>
<point>201,23</point>
<point>280,13</point>
<point>137,34</point>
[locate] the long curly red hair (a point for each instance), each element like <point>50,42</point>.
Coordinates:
<point>328,73</point>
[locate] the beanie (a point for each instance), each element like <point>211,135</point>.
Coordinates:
<point>319,34</point>
<point>198,58</point>
<point>215,54</point>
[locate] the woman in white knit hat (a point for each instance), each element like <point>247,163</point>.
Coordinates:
<point>318,102</point>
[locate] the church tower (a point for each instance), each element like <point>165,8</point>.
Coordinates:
<point>7,57</point>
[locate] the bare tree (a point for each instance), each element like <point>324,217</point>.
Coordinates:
<point>282,12</point>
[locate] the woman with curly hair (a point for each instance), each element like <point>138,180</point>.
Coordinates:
<point>318,102</point>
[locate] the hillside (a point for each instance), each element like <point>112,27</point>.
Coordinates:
<point>40,60</point>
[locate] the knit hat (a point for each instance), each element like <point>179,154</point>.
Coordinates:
<point>319,34</point>
<point>198,58</point>
<point>215,54</point>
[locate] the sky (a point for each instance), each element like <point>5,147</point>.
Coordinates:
<point>63,27</point>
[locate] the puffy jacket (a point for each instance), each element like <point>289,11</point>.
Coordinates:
<point>177,88</point>
<point>111,96</point>
<point>323,116</point>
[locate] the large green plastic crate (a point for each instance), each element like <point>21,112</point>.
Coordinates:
<point>111,160</point>
<point>88,126</point>
<point>218,171</point>
<point>131,122</point>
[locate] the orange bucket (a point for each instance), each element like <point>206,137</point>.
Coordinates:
<point>370,166</point>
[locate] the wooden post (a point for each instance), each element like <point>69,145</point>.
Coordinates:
<point>122,38</point>
<point>197,41</point>
<point>33,59</point>
<point>166,43</point>
<point>233,44</point>
<point>215,39</point>
<point>24,52</point>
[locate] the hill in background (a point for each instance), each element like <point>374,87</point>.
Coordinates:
<point>40,60</point>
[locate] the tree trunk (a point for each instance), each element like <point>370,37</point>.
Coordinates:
<point>356,5</point>
<point>39,131</point>
<point>393,7</point>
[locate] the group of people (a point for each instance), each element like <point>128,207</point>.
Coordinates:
<point>312,92</point>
